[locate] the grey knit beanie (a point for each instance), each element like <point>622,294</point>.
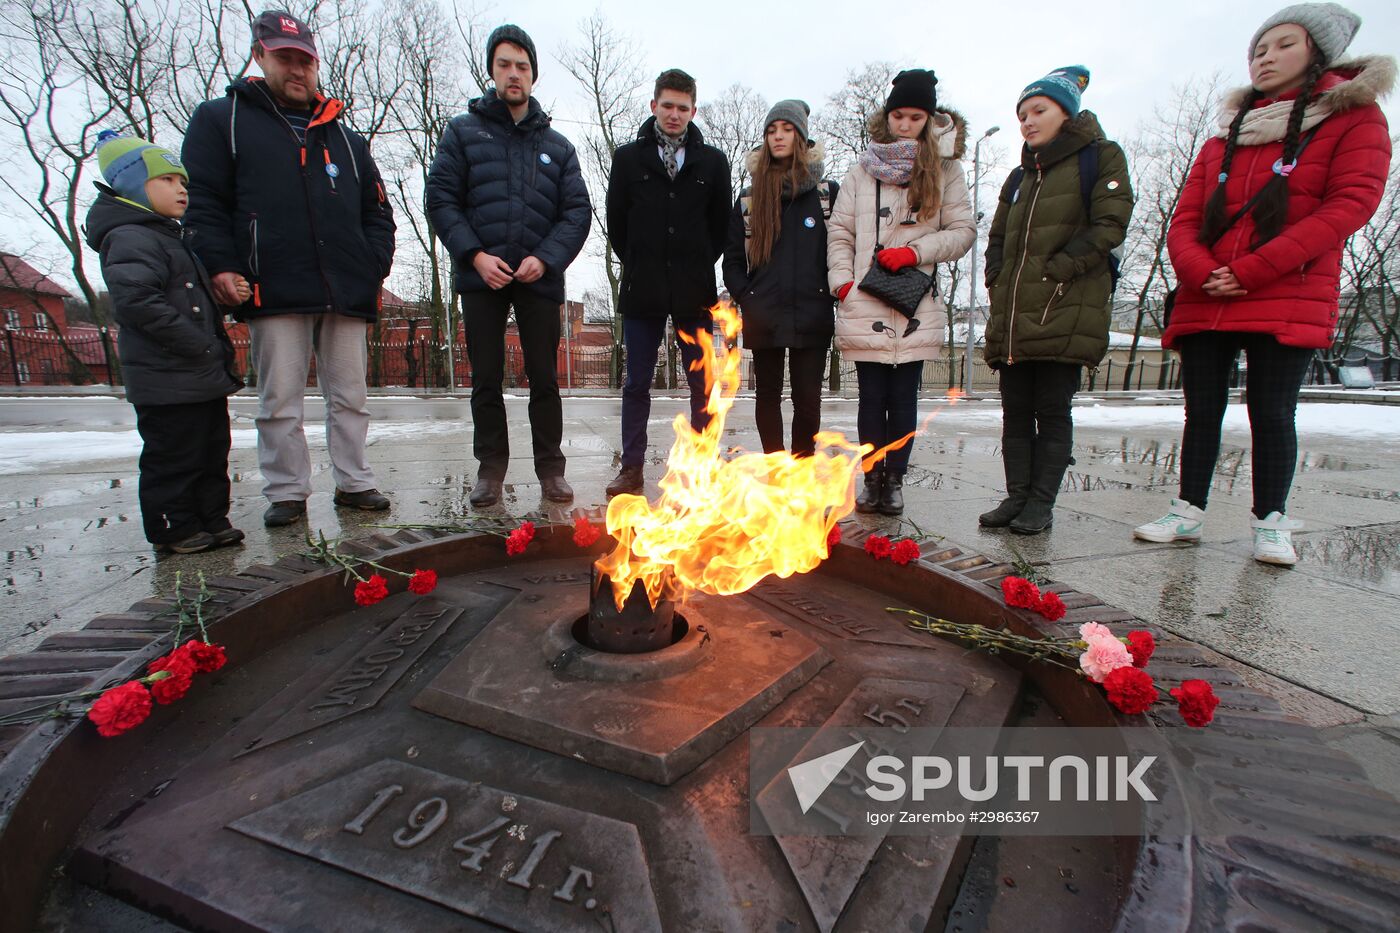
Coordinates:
<point>795,112</point>
<point>515,36</point>
<point>1331,25</point>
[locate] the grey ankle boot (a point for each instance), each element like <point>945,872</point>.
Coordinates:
<point>1016,456</point>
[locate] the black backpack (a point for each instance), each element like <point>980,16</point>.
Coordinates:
<point>1088,175</point>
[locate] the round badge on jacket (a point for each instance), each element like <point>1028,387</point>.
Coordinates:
<point>544,157</point>
<point>809,222</point>
<point>332,170</point>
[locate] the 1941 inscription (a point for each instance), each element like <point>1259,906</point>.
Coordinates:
<point>525,863</point>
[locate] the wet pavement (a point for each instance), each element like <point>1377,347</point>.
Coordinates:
<point>73,546</point>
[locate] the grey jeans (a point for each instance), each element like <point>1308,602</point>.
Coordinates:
<point>282,346</point>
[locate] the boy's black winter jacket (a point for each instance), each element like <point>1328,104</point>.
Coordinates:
<point>172,344</point>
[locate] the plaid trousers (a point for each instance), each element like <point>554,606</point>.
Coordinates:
<point>1275,374</point>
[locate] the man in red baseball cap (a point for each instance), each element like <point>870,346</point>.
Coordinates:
<point>277,30</point>
<point>287,196</point>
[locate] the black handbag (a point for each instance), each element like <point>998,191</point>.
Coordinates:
<point>902,290</point>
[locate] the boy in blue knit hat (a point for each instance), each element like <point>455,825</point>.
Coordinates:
<point>177,361</point>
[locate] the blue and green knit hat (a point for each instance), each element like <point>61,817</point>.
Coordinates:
<point>1063,85</point>
<point>128,162</point>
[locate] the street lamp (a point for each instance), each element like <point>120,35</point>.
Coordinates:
<point>972,278</point>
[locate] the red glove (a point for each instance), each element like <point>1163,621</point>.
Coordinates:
<point>841,292</point>
<point>897,258</point>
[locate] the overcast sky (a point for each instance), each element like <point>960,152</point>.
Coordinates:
<point>983,53</point>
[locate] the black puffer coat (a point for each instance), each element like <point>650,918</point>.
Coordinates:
<point>309,226</point>
<point>172,344</point>
<point>668,233</point>
<point>510,189</point>
<point>785,302</point>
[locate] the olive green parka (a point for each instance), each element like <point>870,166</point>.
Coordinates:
<point>1047,263</point>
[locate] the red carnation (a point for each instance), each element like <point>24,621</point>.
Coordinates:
<point>1130,690</point>
<point>585,532</point>
<point>1140,646</point>
<point>905,551</point>
<point>120,709</point>
<point>1020,593</point>
<point>422,582</point>
<point>878,546</point>
<point>171,684</point>
<point>528,530</point>
<point>833,537</point>
<point>1052,607</point>
<point>1197,702</point>
<point>368,592</point>
<point>206,657</point>
<point>515,542</point>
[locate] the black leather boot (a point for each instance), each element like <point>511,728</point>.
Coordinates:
<point>869,499</point>
<point>892,495</point>
<point>1016,457</point>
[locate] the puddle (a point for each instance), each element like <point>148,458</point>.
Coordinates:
<point>1370,554</point>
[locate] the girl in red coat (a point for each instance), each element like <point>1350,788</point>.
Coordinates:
<point>1298,165</point>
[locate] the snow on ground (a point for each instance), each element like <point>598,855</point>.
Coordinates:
<point>1314,418</point>
<point>30,452</point>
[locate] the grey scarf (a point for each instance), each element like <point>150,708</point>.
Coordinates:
<point>669,147</point>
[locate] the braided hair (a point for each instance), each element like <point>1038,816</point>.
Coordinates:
<point>1271,208</point>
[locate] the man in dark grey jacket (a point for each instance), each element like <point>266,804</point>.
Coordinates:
<point>506,196</point>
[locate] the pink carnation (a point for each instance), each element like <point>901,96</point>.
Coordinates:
<point>1103,657</point>
<point>1091,630</point>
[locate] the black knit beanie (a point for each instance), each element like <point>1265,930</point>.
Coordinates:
<point>515,36</point>
<point>913,88</point>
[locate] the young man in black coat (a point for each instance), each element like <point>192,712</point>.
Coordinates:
<point>284,195</point>
<point>507,198</point>
<point>668,209</point>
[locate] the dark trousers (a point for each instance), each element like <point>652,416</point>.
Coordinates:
<point>805,370</point>
<point>1036,396</point>
<point>888,408</point>
<point>537,321</point>
<point>642,337</point>
<point>184,486</point>
<point>1271,392</point>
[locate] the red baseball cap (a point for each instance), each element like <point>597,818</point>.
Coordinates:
<point>275,29</point>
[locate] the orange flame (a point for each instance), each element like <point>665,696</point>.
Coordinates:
<point>722,525</point>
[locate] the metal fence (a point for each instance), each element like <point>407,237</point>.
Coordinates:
<point>47,358</point>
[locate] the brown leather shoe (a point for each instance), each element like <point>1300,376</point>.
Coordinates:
<point>486,492</point>
<point>555,489</point>
<point>629,479</point>
<point>366,500</point>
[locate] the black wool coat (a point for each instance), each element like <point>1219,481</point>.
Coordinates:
<point>172,344</point>
<point>309,226</point>
<point>668,233</point>
<point>512,190</point>
<point>786,301</point>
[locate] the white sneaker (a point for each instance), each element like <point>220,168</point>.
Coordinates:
<point>1182,523</point>
<point>1273,539</point>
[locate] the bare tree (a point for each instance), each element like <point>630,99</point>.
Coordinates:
<point>604,63</point>
<point>1160,157</point>
<point>733,124</point>
<point>1370,316</point>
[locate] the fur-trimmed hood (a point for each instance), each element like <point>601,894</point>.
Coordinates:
<point>1365,80</point>
<point>950,128</point>
<point>816,159</point>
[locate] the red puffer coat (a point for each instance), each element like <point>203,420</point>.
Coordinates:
<point>1293,280</point>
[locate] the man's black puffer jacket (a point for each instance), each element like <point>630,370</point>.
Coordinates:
<point>510,189</point>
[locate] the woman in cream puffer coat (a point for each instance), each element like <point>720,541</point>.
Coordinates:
<point>914,155</point>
